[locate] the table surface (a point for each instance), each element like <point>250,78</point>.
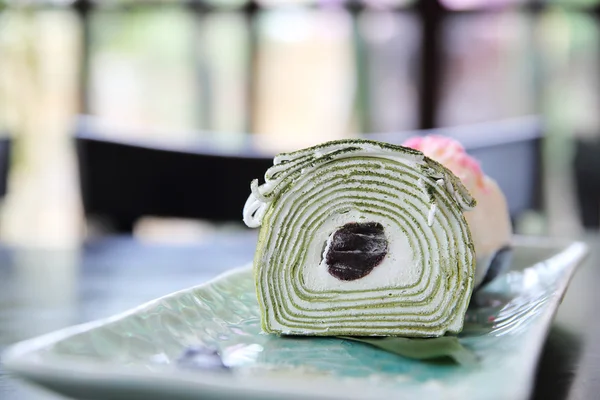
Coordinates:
<point>43,290</point>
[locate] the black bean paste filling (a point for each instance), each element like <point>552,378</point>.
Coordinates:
<point>355,250</point>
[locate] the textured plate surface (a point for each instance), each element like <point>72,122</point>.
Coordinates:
<point>132,355</point>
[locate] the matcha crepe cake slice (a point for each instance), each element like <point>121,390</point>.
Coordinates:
<point>361,238</point>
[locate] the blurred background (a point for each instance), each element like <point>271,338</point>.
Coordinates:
<point>283,74</point>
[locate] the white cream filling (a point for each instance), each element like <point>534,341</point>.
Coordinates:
<point>398,268</point>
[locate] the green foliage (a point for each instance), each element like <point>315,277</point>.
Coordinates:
<point>445,347</point>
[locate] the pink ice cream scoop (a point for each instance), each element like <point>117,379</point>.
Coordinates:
<point>489,221</point>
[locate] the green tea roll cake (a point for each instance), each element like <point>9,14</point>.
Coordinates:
<point>361,238</point>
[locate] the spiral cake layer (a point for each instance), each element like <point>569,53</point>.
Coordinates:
<point>361,238</point>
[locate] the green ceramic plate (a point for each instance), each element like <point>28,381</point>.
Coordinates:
<point>132,355</point>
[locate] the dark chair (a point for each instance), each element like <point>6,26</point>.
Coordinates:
<point>509,151</point>
<point>123,181</point>
<point>586,167</point>
<point>5,154</point>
